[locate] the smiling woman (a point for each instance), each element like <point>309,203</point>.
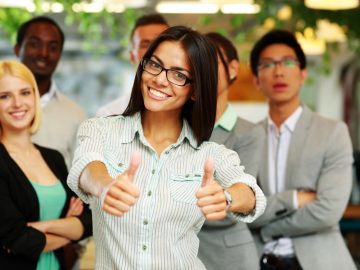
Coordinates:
<point>38,214</point>
<point>149,211</point>
<point>19,97</point>
<point>16,103</point>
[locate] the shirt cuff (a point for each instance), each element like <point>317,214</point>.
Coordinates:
<point>260,202</point>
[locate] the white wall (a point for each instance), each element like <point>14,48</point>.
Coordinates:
<point>251,111</point>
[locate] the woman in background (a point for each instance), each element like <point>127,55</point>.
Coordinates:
<point>38,213</point>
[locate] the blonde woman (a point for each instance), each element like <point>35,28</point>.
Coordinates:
<point>38,213</point>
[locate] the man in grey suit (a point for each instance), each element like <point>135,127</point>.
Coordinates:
<point>307,168</point>
<point>225,244</point>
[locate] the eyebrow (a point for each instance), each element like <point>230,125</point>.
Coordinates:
<point>37,38</point>
<point>271,59</point>
<point>21,89</point>
<point>173,68</point>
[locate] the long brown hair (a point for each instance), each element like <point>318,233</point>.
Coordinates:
<point>200,112</point>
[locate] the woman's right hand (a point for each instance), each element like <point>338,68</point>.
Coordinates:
<point>119,195</point>
<point>75,208</point>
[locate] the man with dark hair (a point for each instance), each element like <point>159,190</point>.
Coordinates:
<point>307,168</point>
<point>39,45</point>
<point>145,30</point>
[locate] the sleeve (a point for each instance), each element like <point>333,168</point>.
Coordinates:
<point>332,194</point>
<point>15,236</point>
<point>86,220</point>
<point>72,144</point>
<point>228,171</point>
<point>85,217</point>
<point>278,206</point>
<point>89,148</point>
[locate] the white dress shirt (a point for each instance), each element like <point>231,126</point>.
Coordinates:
<point>278,148</point>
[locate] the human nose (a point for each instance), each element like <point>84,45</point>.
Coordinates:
<point>43,51</point>
<point>17,101</point>
<point>161,78</point>
<point>278,69</point>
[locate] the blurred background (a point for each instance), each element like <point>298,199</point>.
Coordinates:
<point>95,66</point>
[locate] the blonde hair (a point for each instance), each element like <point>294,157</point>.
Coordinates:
<point>19,70</point>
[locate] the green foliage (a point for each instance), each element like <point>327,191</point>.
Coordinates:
<point>205,20</point>
<point>11,19</point>
<point>94,27</point>
<point>98,27</point>
<point>245,29</point>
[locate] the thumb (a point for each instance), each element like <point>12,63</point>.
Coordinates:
<point>134,164</point>
<point>208,171</point>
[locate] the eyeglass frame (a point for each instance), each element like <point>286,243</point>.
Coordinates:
<point>144,61</point>
<point>278,62</point>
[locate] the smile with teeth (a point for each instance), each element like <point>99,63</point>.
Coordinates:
<point>18,114</point>
<point>158,94</point>
<point>41,63</point>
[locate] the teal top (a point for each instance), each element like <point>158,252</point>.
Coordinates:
<point>51,201</point>
<point>228,119</point>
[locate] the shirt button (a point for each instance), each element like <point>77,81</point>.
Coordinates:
<point>166,152</point>
<point>146,222</point>
<point>144,247</point>
<point>149,193</point>
<point>120,164</point>
<point>153,171</point>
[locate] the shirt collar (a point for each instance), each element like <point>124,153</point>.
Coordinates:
<point>228,119</point>
<point>289,123</point>
<point>133,126</point>
<point>48,96</point>
<point>187,133</point>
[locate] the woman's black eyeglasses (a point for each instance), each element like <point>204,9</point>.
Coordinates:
<point>173,76</point>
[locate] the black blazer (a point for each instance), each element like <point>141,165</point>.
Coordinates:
<point>20,245</point>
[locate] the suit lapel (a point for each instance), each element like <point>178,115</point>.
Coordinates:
<point>219,135</point>
<point>297,144</point>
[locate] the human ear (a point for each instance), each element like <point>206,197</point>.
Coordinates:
<point>17,50</point>
<point>303,76</point>
<point>256,82</point>
<point>233,67</point>
<point>132,57</point>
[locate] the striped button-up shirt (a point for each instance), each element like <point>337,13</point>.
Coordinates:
<point>159,231</point>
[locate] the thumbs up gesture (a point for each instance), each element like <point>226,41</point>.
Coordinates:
<point>119,195</point>
<point>211,198</point>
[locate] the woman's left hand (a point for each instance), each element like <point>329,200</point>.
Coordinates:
<point>211,198</point>
<point>75,208</point>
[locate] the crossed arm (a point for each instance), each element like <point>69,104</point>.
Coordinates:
<point>59,232</point>
<point>317,210</point>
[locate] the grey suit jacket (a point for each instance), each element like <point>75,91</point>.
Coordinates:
<point>225,244</point>
<point>320,160</point>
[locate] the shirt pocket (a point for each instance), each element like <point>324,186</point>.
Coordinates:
<point>114,165</point>
<point>183,187</point>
